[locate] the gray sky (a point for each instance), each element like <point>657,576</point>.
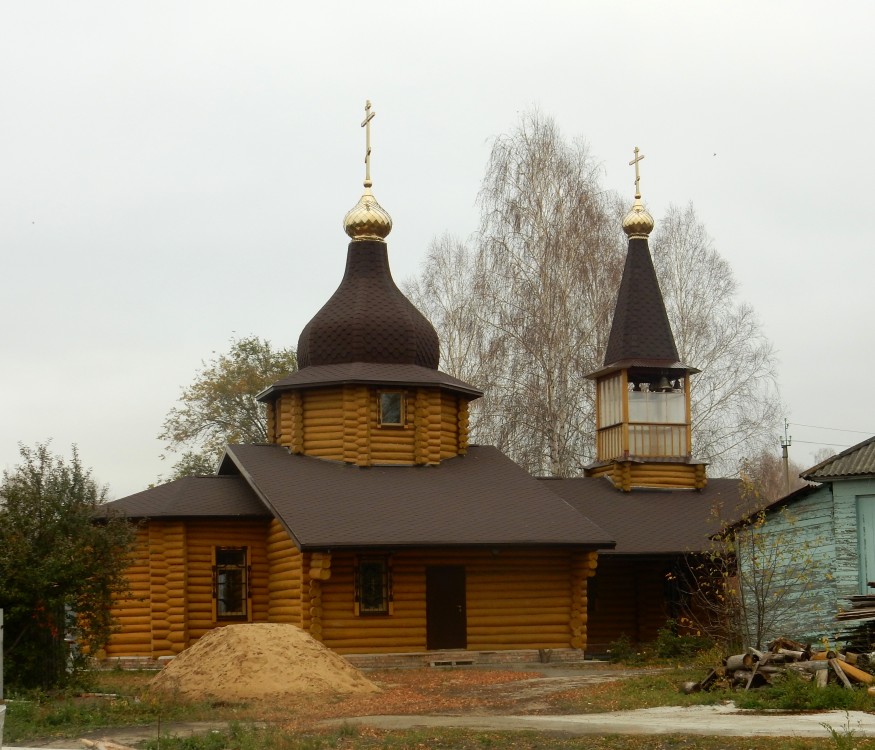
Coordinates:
<point>172,174</point>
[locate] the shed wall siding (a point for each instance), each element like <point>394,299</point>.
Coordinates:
<point>798,545</point>
<point>847,558</point>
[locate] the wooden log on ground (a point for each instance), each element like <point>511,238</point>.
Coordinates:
<point>739,661</point>
<point>854,673</point>
<point>843,678</point>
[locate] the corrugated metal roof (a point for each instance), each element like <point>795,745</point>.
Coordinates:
<point>856,461</point>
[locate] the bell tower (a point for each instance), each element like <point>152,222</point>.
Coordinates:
<point>643,418</point>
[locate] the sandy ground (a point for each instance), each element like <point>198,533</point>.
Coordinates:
<point>258,661</point>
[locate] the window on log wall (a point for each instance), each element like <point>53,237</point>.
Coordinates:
<point>391,408</point>
<point>231,575</point>
<point>373,586</point>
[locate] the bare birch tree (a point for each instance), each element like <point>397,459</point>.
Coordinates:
<point>736,407</point>
<point>524,311</point>
<point>550,255</point>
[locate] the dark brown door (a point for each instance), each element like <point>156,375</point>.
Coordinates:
<point>445,619</point>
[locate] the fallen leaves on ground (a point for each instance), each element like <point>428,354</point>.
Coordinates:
<point>414,691</point>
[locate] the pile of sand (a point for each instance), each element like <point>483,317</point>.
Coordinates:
<point>258,660</point>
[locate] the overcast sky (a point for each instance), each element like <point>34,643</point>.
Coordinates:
<point>175,173</point>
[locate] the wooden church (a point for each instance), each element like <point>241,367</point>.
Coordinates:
<point>370,522</point>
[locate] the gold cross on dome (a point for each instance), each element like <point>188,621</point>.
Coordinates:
<point>637,175</point>
<point>366,124</point>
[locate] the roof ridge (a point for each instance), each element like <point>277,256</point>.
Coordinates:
<point>838,456</point>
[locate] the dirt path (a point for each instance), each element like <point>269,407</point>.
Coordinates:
<point>501,700</point>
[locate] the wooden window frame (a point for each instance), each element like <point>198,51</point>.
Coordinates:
<point>245,584</point>
<point>402,410</point>
<point>362,565</point>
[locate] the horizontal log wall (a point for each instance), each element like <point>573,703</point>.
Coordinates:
<point>285,577</point>
<point>356,425</point>
<point>515,599</point>
<point>463,424</point>
<point>203,538</point>
<point>323,416</point>
<point>343,424</point>
<point>167,578</point>
<point>628,474</point>
<point>450,425</point>
<point>132,613</point>
<point>664,475</point>
<point>170,604</point>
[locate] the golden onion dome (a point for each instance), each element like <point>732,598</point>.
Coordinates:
<point>638,223</point>
<point>367,219</point>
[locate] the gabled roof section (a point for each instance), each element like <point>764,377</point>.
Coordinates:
<point>852,463</point>
<point>655,521</point>
<point>190,497</point>
<point>640,329</point>
<point>368,373</point>
<point>480,499</point>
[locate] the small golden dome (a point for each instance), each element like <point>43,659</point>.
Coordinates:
<point>638,223</point>
<point>367,219</point>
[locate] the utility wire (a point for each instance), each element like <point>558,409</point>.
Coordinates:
<point>834,429</point>
<point>815,442</point>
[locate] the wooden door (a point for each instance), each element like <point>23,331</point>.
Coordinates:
<point>445,618</point>
<point>866,541</point>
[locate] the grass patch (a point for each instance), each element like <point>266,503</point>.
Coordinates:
<point>792,693</point>
<point>114,699</point>
<point>248,737</point>
<point>653,688</point>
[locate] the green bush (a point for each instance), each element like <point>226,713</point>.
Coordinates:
<point>793,693</point>
<point>670,645</point>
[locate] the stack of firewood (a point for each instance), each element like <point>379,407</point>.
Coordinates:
<point>862,608</point>
<point>755,668</point>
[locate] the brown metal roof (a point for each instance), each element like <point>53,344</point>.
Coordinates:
<point>654,521</point>
<point>370,373</point>
<point>482,498</point>
<point>856,461</point>
<point>217,497</point>
<point>640,329</point>
<point>368,319</point>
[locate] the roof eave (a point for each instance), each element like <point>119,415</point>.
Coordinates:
<point>266,394</point>
<point>500,545</point>
<point>668,367</point>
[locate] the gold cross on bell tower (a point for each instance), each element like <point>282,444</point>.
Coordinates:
<point>637,175</point>
<point>366,124</point>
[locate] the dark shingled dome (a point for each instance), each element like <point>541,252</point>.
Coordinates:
<point>368,319</point>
